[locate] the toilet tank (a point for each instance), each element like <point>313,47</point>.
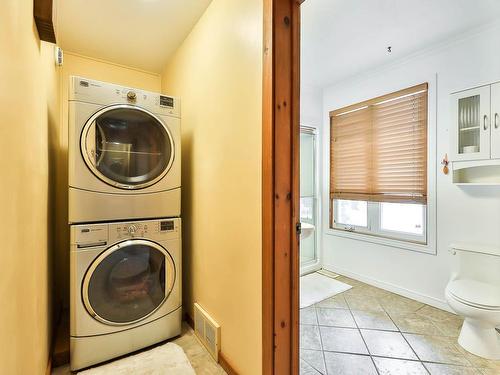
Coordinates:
<point>476,262</point>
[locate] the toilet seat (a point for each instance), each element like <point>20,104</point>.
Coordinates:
<point>475,294</point>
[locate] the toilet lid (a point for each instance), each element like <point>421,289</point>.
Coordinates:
<point>476,293</point>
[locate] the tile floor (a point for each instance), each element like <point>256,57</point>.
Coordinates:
<point>200,359</point>
<point>367,330</point>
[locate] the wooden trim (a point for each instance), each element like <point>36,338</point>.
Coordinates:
<point>295,258</point>
<point>42,11</point>
<point>267,195</point>
<point>280,185</point>
<point>223,362</point>
<point>378,99</point>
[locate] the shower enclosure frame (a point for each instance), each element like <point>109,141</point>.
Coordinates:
<point>315,264</point>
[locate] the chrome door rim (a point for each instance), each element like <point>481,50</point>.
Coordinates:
<point>85,153</point>
<point>169,285</point>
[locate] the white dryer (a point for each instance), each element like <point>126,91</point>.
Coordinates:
<point>124,153</point>
<point>125,291</point>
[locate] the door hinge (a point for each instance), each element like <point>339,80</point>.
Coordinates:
<point>298,228</point>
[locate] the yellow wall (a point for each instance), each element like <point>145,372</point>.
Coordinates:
<point>87,67</point>
<point>217,72</point>
<point>28,141</point>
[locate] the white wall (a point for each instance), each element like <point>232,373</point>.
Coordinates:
<point>311,105</point>
<point>468,214</point>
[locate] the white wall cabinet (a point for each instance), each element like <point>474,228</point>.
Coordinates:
<point>495,121</point>
<point>470,129</point>
<point>475,130</point>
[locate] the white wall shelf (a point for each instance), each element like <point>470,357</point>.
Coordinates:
<point>477,172</point>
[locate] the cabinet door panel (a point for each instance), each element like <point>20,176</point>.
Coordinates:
<point>495,121</point>
<point>470,129</point>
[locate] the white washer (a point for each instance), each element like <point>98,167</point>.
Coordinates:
<point>125,288</point>
<point>123,152</point>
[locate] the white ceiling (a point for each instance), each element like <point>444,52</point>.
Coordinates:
<point>138,33</point>
<point>341,38</point>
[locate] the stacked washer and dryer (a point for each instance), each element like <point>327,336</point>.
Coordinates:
<point>124,215</point>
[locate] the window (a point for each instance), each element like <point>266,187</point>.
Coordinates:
<point>378,166</point>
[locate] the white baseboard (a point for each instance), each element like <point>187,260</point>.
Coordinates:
<point>432,301</point>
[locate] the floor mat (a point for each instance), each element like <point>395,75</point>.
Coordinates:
<point>315,288</point>
<point>168,359</point>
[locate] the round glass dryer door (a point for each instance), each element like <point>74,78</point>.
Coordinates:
<point>127,147</point>
<point>128,282</point>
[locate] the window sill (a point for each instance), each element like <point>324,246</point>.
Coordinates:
<point>428,248</point>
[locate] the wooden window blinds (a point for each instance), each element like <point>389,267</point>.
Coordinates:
<point>378,148</point>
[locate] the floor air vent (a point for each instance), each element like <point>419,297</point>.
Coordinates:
<point>207,330</point>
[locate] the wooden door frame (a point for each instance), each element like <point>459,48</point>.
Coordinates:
<point>280,187</point>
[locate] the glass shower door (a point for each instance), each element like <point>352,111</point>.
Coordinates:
<point>308,199</point>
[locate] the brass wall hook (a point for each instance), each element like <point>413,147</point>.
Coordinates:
<point>445,163</point>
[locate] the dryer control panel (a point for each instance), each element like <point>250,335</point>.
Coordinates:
<point>97,92</point>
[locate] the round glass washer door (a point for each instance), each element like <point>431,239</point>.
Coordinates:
<point>127,147</point>
<point>128,282</point>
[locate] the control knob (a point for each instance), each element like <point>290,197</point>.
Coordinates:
<point>132,96</point>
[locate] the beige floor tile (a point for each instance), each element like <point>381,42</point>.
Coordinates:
<point>414,323</point>
<point>349,364</point>
<point>368,290</point>
<point>436,349</point>
<point>387,344</point>
<point>336,302</point>
<point>389,366</point>
<point>352,282</point>
<point>309,337</point>
<point>205,365</point>
<point>335,318</point>
<point>399,304</point>
<point>308,316</point>
<point>440,369</point>
<point>451,326</point>
<point>342,340</point>
<point>198,356</point>
<point>373,320</point>
<point>435,314</point>
<point>363,303</point>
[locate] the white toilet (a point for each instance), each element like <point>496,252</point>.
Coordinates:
<point>474,293</point>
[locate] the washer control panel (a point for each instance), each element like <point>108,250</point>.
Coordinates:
<point>131,230</point>
<point>155,229</point>
<point>96,235</point>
